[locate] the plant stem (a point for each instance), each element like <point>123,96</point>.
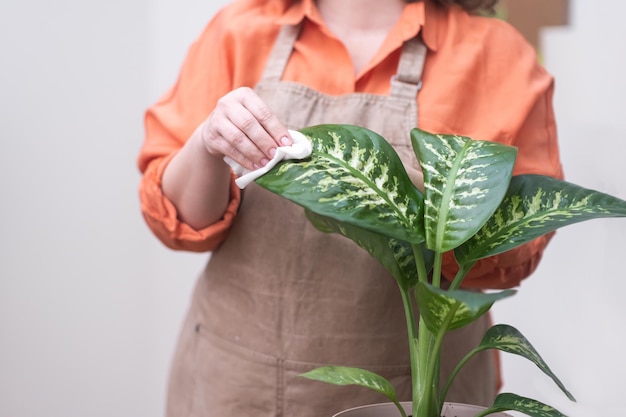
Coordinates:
<point>412,334</point>
<point>434,356</point>
<point>456,370</point>
<point>489,411</point>
<point>422,383</point>
<point>419,340</point>
<point>437,270</point>
<point>400,408</point>
<point>458,279</point>
<point>420,264</point>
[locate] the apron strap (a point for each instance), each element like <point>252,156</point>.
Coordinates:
<point>408,80</point>
<point>405,84</point>
<point>283,46</point>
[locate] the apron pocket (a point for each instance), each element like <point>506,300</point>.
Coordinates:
<point>306,398</point>
<point>230,380</point>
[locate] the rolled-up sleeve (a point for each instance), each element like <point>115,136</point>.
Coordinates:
<point>162,218</point>
<point>203,79</point>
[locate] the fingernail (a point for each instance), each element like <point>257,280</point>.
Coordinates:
<point>285,140</point>
<point>255,166</point>
<point>272,152</point>
<point>264,161</point>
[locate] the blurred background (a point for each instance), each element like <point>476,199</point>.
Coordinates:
<point>91,302</point>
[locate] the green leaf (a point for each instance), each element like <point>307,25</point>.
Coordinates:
<point>508,339</point>
<point>533,206</point>
<point>528,406</point>
<point>464,182</point>
<point>436,305</point>
<point>344,375</point>
<point>395,255</point>
<point>353,176</point>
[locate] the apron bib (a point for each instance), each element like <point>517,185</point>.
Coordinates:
<point>279,297</point>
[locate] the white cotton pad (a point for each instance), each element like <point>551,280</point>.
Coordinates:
<point>301,148</point>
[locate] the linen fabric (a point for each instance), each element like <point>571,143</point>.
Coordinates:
<point>279,297</point>
<point>481,79</point>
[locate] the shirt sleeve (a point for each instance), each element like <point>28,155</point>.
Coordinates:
<point>162,218</point>
<point>538,153</point>
<point>168,125</point>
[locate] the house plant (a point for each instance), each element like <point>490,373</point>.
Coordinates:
<point>355,184</point>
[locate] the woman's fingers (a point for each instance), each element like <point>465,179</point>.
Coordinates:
<point>266,119</point>
<point>243,128</point>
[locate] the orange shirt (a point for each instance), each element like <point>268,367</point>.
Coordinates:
<point>481,79</point>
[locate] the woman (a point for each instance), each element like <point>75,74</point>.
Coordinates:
<point>278,297</point>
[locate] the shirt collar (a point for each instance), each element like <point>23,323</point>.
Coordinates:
<point>296,12</point>
<point>422,15</point>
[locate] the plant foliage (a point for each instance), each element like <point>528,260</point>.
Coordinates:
<point>354,184</point>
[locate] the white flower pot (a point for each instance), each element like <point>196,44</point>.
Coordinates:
<point>390,410</point>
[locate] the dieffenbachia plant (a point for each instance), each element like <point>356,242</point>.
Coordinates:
<point>354,184</point>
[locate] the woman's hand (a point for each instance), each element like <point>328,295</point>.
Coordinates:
<point>243,128</point>
<point>197,180</point>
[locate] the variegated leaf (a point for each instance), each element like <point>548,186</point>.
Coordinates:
<point>395,255</point>
<point>353,176</point>
<point>344,375</point>
<point>528,406</point>
<point>508,339</point>
<point>436,305</point>
<point>533,206</point>
<point>464,182</point>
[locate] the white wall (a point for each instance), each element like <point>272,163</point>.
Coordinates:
<point>90,303</point>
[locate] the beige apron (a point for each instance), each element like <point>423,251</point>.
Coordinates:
<point>279,297</point>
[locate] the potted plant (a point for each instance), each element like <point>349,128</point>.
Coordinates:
<point>355,184</point>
